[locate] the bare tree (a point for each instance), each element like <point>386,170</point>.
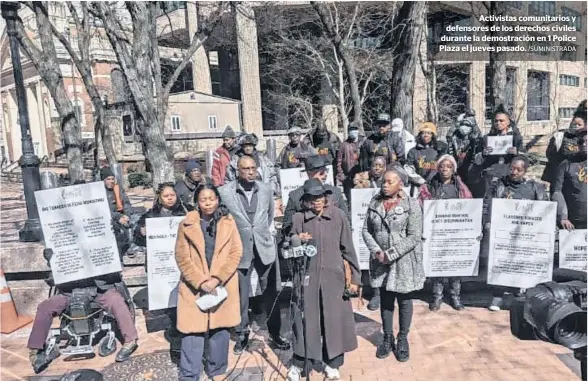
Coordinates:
<point>410,20</point>
<point>341,48</point>
<point>44,58</point>
<point>84,23</point>
<point>137,51</point>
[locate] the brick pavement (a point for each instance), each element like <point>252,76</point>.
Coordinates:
<point>473,345</point>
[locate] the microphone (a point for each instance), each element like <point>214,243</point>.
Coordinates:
<point>310,248</point>
<point>294,249</point>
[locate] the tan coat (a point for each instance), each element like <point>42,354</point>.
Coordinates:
<point>191,259</point>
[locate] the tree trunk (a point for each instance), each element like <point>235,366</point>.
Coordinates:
<point>497,62</point>
<point>47,65</point>
<point>348,64</point>
<point>136,67</point>
<point>407,35</point>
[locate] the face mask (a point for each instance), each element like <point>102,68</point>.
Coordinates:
<point>465,130</point>
<point>354,134</point>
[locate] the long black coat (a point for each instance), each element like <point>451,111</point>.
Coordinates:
<point>323,297</point>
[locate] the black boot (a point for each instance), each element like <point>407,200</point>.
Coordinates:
<point>402,350</point>
<point>241,344</point>
<point>455,292</point>
<point>374,303</point>
<point>40,359</point>
<point>435,304</point>
<point>386,346</point>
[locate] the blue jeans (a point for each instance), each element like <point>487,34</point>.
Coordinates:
<point>215,353</point>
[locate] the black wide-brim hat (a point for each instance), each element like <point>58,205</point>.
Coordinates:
<point>314,187</point>
<point>313,163</point>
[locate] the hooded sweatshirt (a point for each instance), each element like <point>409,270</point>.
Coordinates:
<point>405,136</point>
<point>424,157</point>
<point>569,190</point>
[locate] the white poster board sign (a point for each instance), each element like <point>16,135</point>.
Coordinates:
<point>360,201</point>
<point>293,178</point>
<point>522,240</point>
<point>499,144</point>
<point>451,229</point>
<point>572,249</point>
<point>77,225</point>
<point>163,274</point>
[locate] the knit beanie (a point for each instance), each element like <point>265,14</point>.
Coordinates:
<point>449,158</point>
<point>106,172</point>
<point>192,165</point>
<point>428,127</point>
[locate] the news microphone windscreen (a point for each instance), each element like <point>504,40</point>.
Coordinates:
<point>295,241</point>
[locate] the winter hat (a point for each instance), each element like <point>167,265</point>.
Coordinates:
<point>428,127</point>
<point>449,158</point>
<point>105,173</point>
<point>295,130</point>
<point>192,165</point>
<point>249,139</point>
<point>397,125</point>
<point>228,132</point>
<point>352,126</point>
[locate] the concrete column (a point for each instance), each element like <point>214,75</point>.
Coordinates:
<point>200,67</point>
<point>477,91</point>
<point>249,69</point>
<point>14,126</point>
<point>45,119</point>
<point>329,110</point>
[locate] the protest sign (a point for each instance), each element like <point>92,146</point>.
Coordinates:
<point>77,226</point>
<point>572,249</point>
<point>452,229</point>
<point>293,178</point>
<point>499,144</point>
<point>522,240</point>
<point>163,274</point>
<point>360,201</point>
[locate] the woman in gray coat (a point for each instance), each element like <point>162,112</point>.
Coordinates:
<point>329,330</point>
<point>392,232</point>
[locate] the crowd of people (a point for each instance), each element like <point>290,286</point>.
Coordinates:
<point>229,235</point>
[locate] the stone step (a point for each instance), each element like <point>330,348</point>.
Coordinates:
<point>135,276</point>
<point>137,260</point>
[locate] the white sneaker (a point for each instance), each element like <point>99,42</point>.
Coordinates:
<point>293,374</point>
<point>495,304</point>
<point>332,373</point>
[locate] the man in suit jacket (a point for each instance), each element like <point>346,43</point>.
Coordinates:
<point>251,203</point>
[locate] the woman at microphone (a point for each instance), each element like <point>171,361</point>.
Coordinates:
<point>331,275</point>
<point>392,234</point>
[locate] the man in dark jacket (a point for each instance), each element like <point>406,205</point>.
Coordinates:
<point>489,167</point>
<point>324,142</point>
<point>383,140</point>
<point>120,210</point>
<point>316,168</point>
<point>348,159</point>
<point>463,142</point>
<point>193,178</point>
<point>423,157</point>
<point>294,153</point>
<point>569,189</point>
<point>563,146</point>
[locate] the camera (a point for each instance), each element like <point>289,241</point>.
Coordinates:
<point>554,312</point>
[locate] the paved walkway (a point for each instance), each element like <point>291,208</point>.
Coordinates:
<point>472,345</point>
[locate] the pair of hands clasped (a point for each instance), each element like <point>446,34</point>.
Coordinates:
<point>210,286</point>
<point>382,258</point>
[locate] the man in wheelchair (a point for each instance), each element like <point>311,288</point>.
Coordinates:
<point>86,308</point>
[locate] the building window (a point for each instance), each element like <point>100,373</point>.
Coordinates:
<point>452,92</point>
<point>542,8</point>
<point>577,23</point>
<point>213,58</point>
<point>569,80</point>
<point>437,27</point>
<point>570,53</point>
<point>537,95</point>
<point>79,110</point>
<point>175,123</point>
<point>128,130</point>
<point>212,122</point>
<point>566,112</point>
<point>509,95</point>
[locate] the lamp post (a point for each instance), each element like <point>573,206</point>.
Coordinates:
<point>29,162</point>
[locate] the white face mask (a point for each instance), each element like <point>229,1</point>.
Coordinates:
<point>354,134</point>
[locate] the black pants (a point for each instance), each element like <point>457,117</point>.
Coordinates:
<point>387,299</point>
<point>271,306</point>
<point>213,346</point>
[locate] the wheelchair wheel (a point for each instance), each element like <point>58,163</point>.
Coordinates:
<point>104,349</point>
